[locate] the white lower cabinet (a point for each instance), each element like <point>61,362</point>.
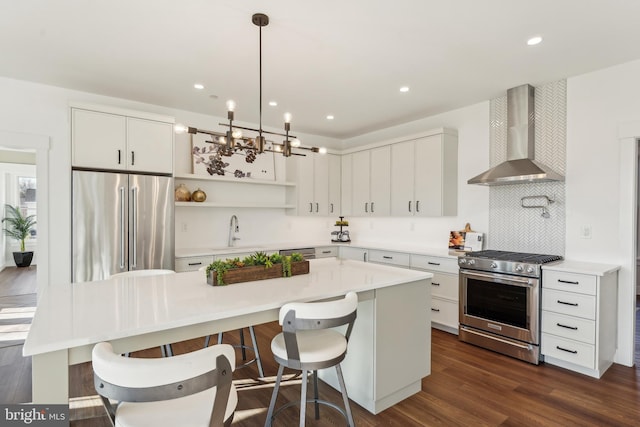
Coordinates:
<point>192,263</point>
<point>444,290</point>
<point>579,316</point>
<point>398,259</point>
<point>358,254</point>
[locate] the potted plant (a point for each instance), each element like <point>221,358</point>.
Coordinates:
<point>19,227</point>
<point>258,266</point>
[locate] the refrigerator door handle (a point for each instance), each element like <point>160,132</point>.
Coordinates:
<point>134,225</point>
<point>122,225</point>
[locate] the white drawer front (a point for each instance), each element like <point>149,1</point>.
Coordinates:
<point>445,285</point>
<point>425,262</point>
<point>571,282</point>
<point>327,252</point>
<point>569,303</point>
<point>575,328</point>
<point>571,351</point>
<point>444,312</point>
<point>393,258</point>
<point>192,263</point>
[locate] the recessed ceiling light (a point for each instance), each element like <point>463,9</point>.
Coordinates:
<point>198,86</point>
<point>534,40</point>
<point>273,103</point>
<point>330,117</point>
<point>404,89</point>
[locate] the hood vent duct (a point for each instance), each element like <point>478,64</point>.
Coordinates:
<point>520,167</point>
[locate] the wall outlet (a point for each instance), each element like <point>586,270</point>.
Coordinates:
<point>585,231</point>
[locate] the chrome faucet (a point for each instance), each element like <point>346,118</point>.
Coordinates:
<point>233,229</point>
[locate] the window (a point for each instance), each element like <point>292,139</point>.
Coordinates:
<point>27,204</point>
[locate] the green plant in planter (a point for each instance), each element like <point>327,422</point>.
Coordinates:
<point>296,257</point>
<point>259,258</point>
<point>286,266</point>
<point>18,226</point>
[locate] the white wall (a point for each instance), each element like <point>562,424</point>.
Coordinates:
<point>472,124</point>
<point>597,103</point>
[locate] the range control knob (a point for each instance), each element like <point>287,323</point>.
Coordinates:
<point>530,269</point>
<point>519,268</point>
<point>494,265</point>
<point>472,261</point>
<point>463,261</point>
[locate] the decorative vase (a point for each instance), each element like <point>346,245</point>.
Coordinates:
<point>183,194</point>
<point>198,196</point>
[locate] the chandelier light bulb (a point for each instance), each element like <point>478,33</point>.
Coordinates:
<point>277,148</point>
<point>295,143</point>
<point>322,150</point>
<point>237,133</point>
<point>179,128</point>
<point>231,105</point>
<point>287,117</point>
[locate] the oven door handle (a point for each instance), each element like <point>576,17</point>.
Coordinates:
<point>496,338</point>
<point>510,279</point>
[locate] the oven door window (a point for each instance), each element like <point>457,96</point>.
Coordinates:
<point>497,302</point>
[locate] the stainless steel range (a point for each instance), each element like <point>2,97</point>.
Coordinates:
<point>500,301</point>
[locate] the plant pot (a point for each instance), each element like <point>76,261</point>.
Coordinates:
<point>23,259</point>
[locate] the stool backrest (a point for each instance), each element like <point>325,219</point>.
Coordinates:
<point>140,273</point>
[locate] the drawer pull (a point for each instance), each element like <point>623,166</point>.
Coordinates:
<point>435,283</point>
<point>326,252</point>
<point>574,328</point>
<point>568,351</point>
<point>436,310</point>
<point>569,282</point>
<point>195,263</point>
<point>433,263</point>
<point>387,257</point>
<point>573,304</point>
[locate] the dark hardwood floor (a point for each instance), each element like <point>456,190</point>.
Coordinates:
<point>467,386</point>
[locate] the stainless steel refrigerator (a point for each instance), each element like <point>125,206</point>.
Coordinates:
<point>120,222</point>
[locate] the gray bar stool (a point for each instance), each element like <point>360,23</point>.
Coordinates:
<point>244,348</point>
<point>307,343</point>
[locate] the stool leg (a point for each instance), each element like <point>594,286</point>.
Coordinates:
<point>303,397</point>
<point>256,351</point>
<point>344,396</point>
<point>163,350</point>
<point>207,340</point>
<point>244,352</point>
<point>274,396</point>
<point>315,394</point>
<point>220,338</point>
<point>169,350</point>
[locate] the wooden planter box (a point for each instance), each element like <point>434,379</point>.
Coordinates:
<point>258,272</point>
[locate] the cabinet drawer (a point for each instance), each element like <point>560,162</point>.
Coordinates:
<point>192,263</point>
<point>569,303</point>
<point>571,351</point>
<point>571,282</point>
<point>444,312</point>
<point>571,327</point>
<point>393,258</point>
<point>425,262</point>
<point>445,285</point>
<point>327,252</point>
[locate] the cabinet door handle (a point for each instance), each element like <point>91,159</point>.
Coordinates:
<point>372,207</point>
<point>573,304</point>
<point>364,257</point>
<point>331,207</point>
<point>435,284</point>
<point>433,263</point>
<point>133,158</point>
<point>387,257</point>
<point>573,328</point>
<point>409,205</point>
<point>317,207</point>
<point>569,282</point>
<point>119,156</point>
<point>568,351</point>
<point>195,263</point>
<point>326,252</point>
<point>417,205</point>
<point>310,207</point>
<point>437,310</point>
<point>366,207</point>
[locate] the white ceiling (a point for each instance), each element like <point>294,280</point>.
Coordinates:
<point>346,58</point>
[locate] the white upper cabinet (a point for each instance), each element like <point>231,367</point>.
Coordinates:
<point>424,176</point>
<point>112,141</point>
<point>317,179</point>
<point>346,185</point>
<point>370,189</point>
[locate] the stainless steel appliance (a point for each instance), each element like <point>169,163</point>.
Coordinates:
<point>500,301</point>
<point>120,222</point>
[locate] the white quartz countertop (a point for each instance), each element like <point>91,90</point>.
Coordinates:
<point>581,267</point>
<point>77,314</point>
<point>275,246</point>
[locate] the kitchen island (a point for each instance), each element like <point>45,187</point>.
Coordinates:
<point>389,351</point>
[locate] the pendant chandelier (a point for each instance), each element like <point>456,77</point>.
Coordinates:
<point>233,142</point>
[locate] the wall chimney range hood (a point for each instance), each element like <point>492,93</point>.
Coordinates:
<point>520,167</point>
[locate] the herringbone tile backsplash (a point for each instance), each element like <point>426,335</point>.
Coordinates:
<point>512,227</point>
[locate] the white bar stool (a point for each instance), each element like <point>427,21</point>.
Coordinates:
<point>193,389</point>
<point>307,343</point>
<point>166,349</point>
